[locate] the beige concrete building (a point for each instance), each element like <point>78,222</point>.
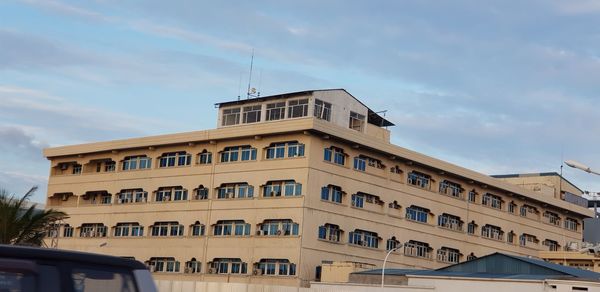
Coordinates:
<point>285,183</point>
<point>576,259</point>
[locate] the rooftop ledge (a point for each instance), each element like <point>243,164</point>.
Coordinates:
<point>310,124</point>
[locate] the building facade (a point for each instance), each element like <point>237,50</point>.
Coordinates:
<point>285,183</point>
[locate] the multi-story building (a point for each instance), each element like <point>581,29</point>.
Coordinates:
<point>285,183</point>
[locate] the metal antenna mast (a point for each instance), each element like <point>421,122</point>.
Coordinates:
<point>250,77</point>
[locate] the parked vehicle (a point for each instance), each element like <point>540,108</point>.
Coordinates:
<point>30,269</point>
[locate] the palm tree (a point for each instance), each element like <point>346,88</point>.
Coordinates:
<point>24,225</point>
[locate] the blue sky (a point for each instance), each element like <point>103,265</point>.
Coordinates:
<point>495,86</point>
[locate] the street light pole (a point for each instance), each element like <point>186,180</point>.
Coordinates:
<point>581,166</point>
<point>385,260</point>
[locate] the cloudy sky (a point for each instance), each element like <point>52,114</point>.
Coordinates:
<point>496,86</point>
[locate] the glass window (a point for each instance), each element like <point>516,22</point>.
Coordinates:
<point>451,189</point>
<point>332,193</point>
<point>492,201</point>
<point>357,121</point>
<point>205,157</point>
<point>419,179</point>
<point>251,114</point>
<point>364,238</point>
<point>297,108</point>
<point>173,159</point>
<point>275,111</point>
<point>330,232</point>
<point>322,110</point>
<point>360,164</point>
<point>229,227</point>
<point>418,214</point>
<point>231,116</point>
<point>358,200</point>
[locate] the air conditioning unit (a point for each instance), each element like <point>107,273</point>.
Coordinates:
<point>187,270</point>
<point>278,232</point>
<point>260,232</point>
<point>212,271</point>
<point>257,272</point>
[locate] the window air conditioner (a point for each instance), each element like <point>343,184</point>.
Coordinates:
<point>257,272</point>
<point>212,271</point>
<point>187,270</point>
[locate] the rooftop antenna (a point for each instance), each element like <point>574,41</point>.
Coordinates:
<point>240,87</point>
<point>251,91</point>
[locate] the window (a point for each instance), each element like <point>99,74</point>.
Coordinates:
<point>358,200</point>
<point>526,210</point>
<point>251,114</point>
<point>510,237</point>
<point>551,244</point>
<point>231,116</point>
<point>197,229</point>
<point>297,108</point>
<point>278,150</point>
<point>92,230</point>
<point>193,266</point>
<point>76,169</point>
<point>132,196</point>
<point>97,197</point>
<point>416,213</point>
<point>364,238</point>
<point>392,243</point>
<point>235,153</point>
<point>201,193</point>
<point>167,264</point>
<point>68,231</point>
<point>84,279</point>
<point>527,239</point>
<point>492,232</point>
<point>205,157</point>
<point>288,188</point>
<point>332,193</point>
<point>109,165</point>
<point>571,224</point>
<point>275,111</point>
<point>276,267</point>
<point>360,163</point>
<point>471,227</point>
<point>231,227</point>
<point>451,189</point>
<point>137,162</point>
<point>337,154</point>
<point>330,232</point>
<point>235,191</point>
<point>472,196</point>
<point>512,207</point>
<point>128,229</point>
<point>418,179</point>
<point>492,201</point>
<point>450,222</point>
<point>173,159</point>
<point>357,121</point>
<point>274,227</point>
<point>166,194</point>
<point>167,229</point>
<point>448,255</point>
<point>228,266</point>
<point>418,249</point>
<point>322,110</point>
<point>552,218</point>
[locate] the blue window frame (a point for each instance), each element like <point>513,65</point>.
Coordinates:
<point>332,193</point>
<point>418,214</point>
<point>360,163</point>
<point>364,238</point>
<point>358,200</point>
